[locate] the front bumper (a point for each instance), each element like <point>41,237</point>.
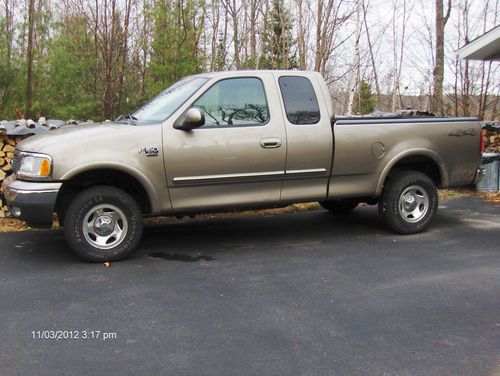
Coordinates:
<point>32,202</point>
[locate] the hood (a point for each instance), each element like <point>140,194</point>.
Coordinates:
<point>103,145</point>
<point>70,137</point>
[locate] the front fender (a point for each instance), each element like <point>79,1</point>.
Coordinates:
<point>135,173</point>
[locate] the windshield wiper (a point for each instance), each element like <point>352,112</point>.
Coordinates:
<point>131,119</point>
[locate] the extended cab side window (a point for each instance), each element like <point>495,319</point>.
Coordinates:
<point>234,102</point>
<point>301,104</point>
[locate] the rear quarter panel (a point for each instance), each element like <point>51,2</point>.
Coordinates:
<point>452,143</point>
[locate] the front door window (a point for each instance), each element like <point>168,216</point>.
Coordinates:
<point>235,102</point>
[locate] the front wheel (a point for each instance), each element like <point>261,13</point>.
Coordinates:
<point>409,202</point>
<point>103,223</point>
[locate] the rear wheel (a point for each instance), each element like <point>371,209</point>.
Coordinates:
<point>339,206</point>
<point>409,202</point>
<point>103,223</point>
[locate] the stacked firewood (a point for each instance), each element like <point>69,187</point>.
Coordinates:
<point>491,141</point>
<point>7,146</point>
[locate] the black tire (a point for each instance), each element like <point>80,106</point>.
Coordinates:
<point>105,209</point>
<point>340,207</point>
<point>409,202</point>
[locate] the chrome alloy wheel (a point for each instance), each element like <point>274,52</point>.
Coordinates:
<point>105,226</point>
<point>413,203</point>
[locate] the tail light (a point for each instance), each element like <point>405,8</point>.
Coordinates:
<point>481,142</point>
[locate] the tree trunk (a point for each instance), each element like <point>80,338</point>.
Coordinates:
<point>8,32</point>
<point>253,30</point>
<point>215,28</point>
<point>319,20</point>
<point>128,7</point>
<point>29,57</point>
<point>236,42</point>
<point>96,51</point>
<point>356,69</point>
<point>223,50</point>
<point>301,43</point>
<point>8,46</point>
<point>439,59</point>
<point>395,75</point>
<point>144,63</point>
<point>370,48</point>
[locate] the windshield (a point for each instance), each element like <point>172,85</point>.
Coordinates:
<point>169,100</point>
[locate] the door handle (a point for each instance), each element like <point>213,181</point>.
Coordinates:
<point>270,143</point>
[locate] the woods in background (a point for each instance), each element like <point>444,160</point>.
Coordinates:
<point>95,59</point>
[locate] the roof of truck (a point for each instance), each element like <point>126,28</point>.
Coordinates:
<point>255,72</point>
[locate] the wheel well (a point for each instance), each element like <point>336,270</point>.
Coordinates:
<point>115,178</point>
<point>420,163</point>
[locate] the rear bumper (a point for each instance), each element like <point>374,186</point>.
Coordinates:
<point>479,175</point>
<point>32,202</point>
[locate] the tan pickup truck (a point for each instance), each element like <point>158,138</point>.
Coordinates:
<point>233,141</point>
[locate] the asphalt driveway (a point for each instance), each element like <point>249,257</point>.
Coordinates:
<point>289,294</point>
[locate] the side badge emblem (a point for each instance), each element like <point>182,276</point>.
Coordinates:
<point>463,132</point>
<point>150,151</point>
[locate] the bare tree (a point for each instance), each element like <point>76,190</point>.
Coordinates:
<point>9,32</point>
<point>219,31</point>
<point>233,9</point>
<point>214,20</point>
<point>301,33</point>
<point>29,57</point>
<point>9,36</point>
<point>255,12</point>
<point>399,45</point>
<point>370,49</point>
<point>330,17</point>
<point>441,20</point>
<point>355,72</point>
<point>322,31</point>
<point>486,73</point>
<point>124,53</point>
<point>145,46</point>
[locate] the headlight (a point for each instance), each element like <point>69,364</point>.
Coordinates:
<point>34,166</point>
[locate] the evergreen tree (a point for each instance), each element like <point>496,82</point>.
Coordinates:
<point>175,50</point>
<point>7,72</point>
<point>14,60</point>
<point>278,48</point>
<point>364,100</point>
<point>72,66</point>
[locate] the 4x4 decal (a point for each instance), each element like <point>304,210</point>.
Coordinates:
<point>463,132</point>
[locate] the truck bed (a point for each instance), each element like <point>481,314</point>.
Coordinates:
<point>366,149</point>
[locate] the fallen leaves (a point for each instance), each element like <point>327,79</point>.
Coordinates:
<point>12,225</point>
<point>491,197</point>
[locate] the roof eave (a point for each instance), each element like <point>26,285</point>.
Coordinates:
<point>486,47</point>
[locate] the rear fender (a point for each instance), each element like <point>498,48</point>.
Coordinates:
<point>418,152</point>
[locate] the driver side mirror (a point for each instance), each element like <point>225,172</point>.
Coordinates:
<point>192,118</point>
